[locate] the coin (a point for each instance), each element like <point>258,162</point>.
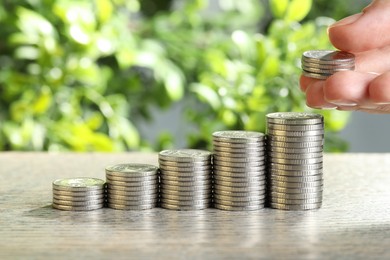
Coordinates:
<point>77,208</point>
<point>131,192</point>
<point>296,201</point>
<point>240,198</point>
<point>195,178</point>
<point>238,203</point>
<point>296,207</point>
<point>248,193</point>
<point>233,150</point>
<point>182,207</point>
<point>275,183</point>
<point>248,154</point>
<point>199,202</point>
<point>248,160</point>
<point>295,196</point>
<point>238,136</point>
<point>131,169</point>
<point>150,184</point>
<point>142,197</point>
<point>326,71</point>
<point>297,167</point>
<point>190,188</point>
<point>185,155</point>
<point>74,194</point>
<point>247,164</point>
<point>196,193</point>
<point>200,164</point>
<point>260,182</point>
<point>328,56</point>
<point>297,144</point>
<point>250,179</point>
<point>165,168</point>
<point>79,198</point>
<point>205,196</point>
<point>307,64</point>
<point>284,127</point>
<point>286,133</point>
<point>294,118</point>
<point>315,75</point>
<point>252,188</point>
<point>295,173</point>
<point>140,188</point>
<point>296,179</point>
<point>296,190</point>
<point>300,162</point>
<point>272,148</point>
<point>246,145</point>
<point>234,208</point>
<point>302,140</point>
<point>132,202</point>
<point>78,184</point>
<point>132,179</point>
<point>185,183</point>
<point>127,207</point>
<point>78,203</point>
<point>296,156</point>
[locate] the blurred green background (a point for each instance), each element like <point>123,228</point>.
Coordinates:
<point>83,75</point>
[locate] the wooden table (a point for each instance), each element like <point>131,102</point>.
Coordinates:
<point>354,221</point>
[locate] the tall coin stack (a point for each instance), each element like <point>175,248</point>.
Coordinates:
<point>295,160</point>
<point>132,186</point>
<point>320,64</point>
<point>186,179</point>
<point>78,194</point>
<point>239,170</point>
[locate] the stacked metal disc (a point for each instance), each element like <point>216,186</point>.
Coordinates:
<point>320,64</point>
<point>185,179</point>
<point>78,194</point>
<point>239,170</point>
<point>132,186</point>
<point>295,160</point>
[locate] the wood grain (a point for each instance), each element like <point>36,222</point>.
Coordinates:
<point>354,221</point>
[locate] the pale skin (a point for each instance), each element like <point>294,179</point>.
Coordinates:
<point>367,35</point>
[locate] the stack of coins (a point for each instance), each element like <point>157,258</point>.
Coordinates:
<point>239,170</point>
<point>78,194</point>
<point>186,179</point>
<point>320,64</point>
<point>295,154</point>
<point>132,186</point>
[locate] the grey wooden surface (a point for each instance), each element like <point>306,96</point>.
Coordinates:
<point>354,222</point>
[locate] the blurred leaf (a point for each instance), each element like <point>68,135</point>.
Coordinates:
<point>279,7</point>
<point>104,10</point>
<point>206,93</point>
<point>298,9</point>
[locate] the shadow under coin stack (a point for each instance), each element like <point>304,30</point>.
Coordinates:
<point>239,170</point>
<point>78,194</point>
<point>132,186</point>
<point>185,179</point>
<point>320,64</point>
<point>295,160</point>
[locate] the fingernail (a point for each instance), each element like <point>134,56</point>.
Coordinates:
<point>382,103</point>
<point>325,107</point>
<point>347,20</point>
<point>344,103</point>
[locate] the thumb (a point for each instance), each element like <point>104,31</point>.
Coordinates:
<point>363,31</point>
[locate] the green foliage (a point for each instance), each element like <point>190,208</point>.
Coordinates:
<point>77,75</point>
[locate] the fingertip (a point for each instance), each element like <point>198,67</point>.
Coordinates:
<point>304,82</point>
<point>379,89</point>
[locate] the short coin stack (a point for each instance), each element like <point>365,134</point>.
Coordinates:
<point>186,179</point>
<point>320,64</point>
<point>132,186</point>
<point>239,170</point>
<point>295,155</point>
<point>78,194</point>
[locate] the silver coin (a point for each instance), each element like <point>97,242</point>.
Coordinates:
<point>131,169</point>
<point>259,159</point>
<point>240,194</point>
<point>296,196</point>
<point>328,56</point>
<point>186,183</point>
<point>315,75</point>
<point>238,136</point>
<point>295,173</point>
<point>223,188</point>
<point>200,164</point>
<point>78,184</point>
<point>232,150</point>
<point>295,201</point>
<point>240,155</point>
<point>230,169</point>
<point>233,208</point>
<point>295,156</point>
<point>187,198</point>
<point>132,179</point>
<point>149,187</point>
<point>132,202</point>
<point>318,139</point>
<point>130,192</point>
<point>295,145</point>
<point>274,183</point>
<point>133,197</point>
<point>250,179</point>
<point>186,193</point>
<point>185,155</point>
<point>182,207</point>
<point>186,169</point>
<point>297,167</point>
<point>296,179</point>
<point>81,194</point>
<point>166,187</point>
<point>79,198</point>
<point>126,207</point>
<point>77,208</point>
<point>296,190</point>
<point>238,164</point>
<point>240,184</point>
<point>218,197</point>
<point>306,64</point>
<point>295,127</point>
<point>186,173</point>
<point>186,202</point>
<point>318,149</point>
<point>295,207</point>
<point>294,118</point>
<point>246,145</point>
<point>77,203</point>
<point>295,161</point>
<point>239,203</point>
<point>186,179</point>
<point>133,184</point>
<point>273,132</point>
<point>326,71</point>
<point>242,175</point>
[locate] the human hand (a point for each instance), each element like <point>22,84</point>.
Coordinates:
<point>367,35</point>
